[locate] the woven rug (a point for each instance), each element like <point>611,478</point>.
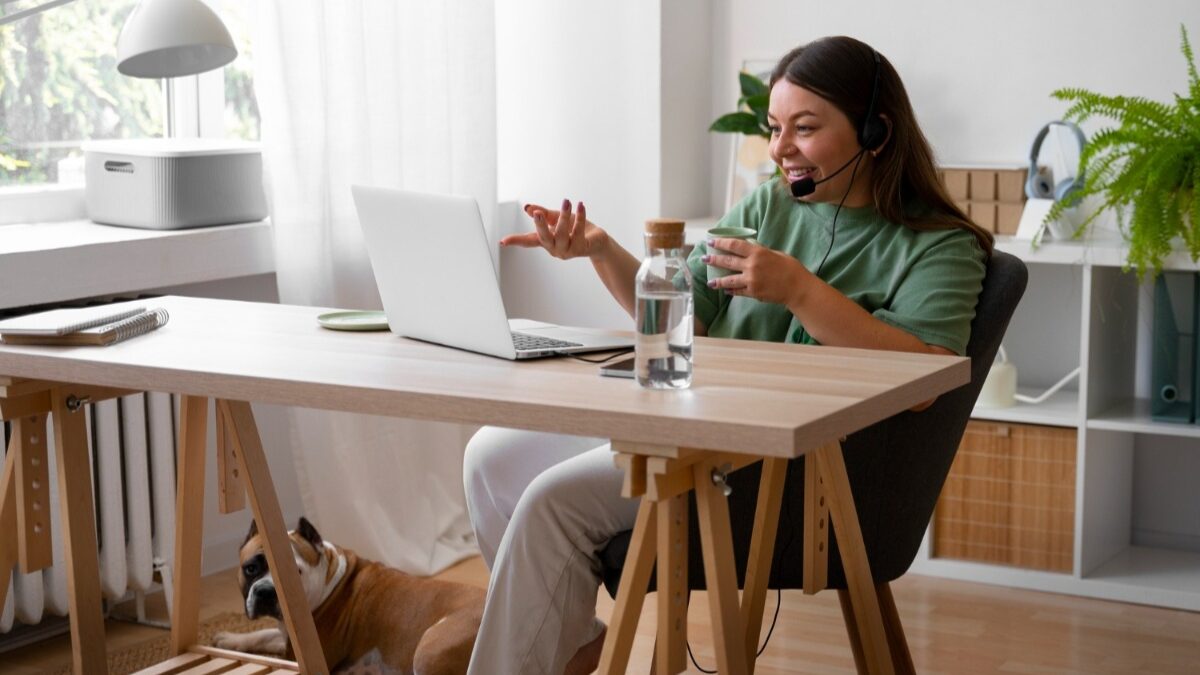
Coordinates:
<point>132,658</point>
<point>135,657</point>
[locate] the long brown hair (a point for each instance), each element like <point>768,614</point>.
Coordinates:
<point>905,181</point>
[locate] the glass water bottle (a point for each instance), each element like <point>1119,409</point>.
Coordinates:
<point>664,310</point>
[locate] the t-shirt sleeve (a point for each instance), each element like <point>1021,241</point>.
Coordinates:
<point>936,299</point>
<point>746,213</point>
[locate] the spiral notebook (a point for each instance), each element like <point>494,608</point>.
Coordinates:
<point>75,327</point>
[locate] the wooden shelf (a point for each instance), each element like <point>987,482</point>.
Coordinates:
<point>1060,410</point>
<point>1133,416</point>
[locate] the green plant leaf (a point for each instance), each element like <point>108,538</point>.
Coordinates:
<point>756,102</point>
<point>751,85</point>
<point>737,123</point>
<point>1146,168</point>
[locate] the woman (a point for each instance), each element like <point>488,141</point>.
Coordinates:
<point>859,246</point>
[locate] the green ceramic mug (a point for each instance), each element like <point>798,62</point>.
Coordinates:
<point>744,233</point>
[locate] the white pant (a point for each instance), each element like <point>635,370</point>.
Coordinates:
<point>542,505</point>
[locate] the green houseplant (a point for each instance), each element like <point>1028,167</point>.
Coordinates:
<point>752,122</point>
<point>1147,164</point>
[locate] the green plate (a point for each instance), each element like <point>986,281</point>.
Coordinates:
<point>354,321</point>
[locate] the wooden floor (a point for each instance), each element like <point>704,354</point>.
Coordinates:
<point>953,627</point>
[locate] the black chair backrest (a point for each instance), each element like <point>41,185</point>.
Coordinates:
<point>896,467</point>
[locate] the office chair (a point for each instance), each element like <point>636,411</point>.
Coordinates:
<point>896,469</point>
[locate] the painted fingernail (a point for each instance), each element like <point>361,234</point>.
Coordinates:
<point>566,205</point>
<point>708,242</point>
<point>712,283</point>
<point>706,258</point>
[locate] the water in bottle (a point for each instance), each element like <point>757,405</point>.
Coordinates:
<point>663,314</point>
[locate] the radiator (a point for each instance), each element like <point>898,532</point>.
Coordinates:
<point>132,441</point>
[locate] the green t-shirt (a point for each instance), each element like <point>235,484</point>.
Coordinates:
<point>926,283</point>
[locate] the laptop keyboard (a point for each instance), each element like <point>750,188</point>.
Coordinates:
<point>524,342</point>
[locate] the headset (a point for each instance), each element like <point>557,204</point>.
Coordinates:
<point>871,135</point>
<point>874,130</point>
<point>1038,186</point>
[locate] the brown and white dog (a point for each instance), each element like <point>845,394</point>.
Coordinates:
<point>419,626</point>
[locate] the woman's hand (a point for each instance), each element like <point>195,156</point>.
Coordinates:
<point>564,234</point>
<point>763,274</point>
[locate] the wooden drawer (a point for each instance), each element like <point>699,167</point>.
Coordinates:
<point>1010,498</point>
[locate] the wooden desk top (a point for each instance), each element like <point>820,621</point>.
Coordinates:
<point>766,398</point>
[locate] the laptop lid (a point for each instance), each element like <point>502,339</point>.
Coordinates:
<point>435,275</point>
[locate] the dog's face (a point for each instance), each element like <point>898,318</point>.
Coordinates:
<point>254,576</point>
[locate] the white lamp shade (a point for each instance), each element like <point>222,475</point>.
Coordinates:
<point>170,38</point>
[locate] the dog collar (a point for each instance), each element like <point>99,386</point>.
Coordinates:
<point>337,575</point>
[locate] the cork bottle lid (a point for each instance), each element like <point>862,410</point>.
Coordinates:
<point>664,226</point>
<point>664,233</point>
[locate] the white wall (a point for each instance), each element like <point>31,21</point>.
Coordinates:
<point>584,112</point>
<point>223,533</point>
<point>979,74</point>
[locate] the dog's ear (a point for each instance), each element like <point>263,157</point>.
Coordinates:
<point>309,533</point>
<point>253,531</point>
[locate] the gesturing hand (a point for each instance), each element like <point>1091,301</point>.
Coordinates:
<point>763,274</point>
<point>564,234</point>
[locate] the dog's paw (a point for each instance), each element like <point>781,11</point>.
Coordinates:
<point>226,640</point>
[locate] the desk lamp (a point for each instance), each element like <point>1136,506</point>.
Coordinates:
<point>162,38</point>
<point>172,38</point>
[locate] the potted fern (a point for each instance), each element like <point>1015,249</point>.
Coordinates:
<point>1146,167</point>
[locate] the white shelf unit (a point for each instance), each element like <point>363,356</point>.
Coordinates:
<point>1081,308</point>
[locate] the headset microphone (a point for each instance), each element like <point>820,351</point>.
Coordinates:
<point>806,186</point>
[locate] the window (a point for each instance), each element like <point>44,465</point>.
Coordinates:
<point>59,86</point>
<point>241,118</point>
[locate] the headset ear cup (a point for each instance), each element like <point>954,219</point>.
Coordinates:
<point>1038,187</point>
<point>1067,192</point>
<point>873,133</point>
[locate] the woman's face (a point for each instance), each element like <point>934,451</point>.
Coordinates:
<point>810,137</point>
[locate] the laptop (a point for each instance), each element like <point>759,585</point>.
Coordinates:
<point>437,282</point>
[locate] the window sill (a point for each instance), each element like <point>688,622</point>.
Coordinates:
<point>54,262</point>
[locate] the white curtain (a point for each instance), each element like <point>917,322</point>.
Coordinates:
<point>394,93</point>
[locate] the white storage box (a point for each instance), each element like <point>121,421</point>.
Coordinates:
<point>173,183</point>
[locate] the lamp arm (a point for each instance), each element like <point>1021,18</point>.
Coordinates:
<point>16,16</point>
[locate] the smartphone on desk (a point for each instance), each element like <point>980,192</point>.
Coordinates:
<point>622,368</point>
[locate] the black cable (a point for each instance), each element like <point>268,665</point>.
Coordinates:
<point>833,226</point>
<point>780,554</point>
<point>778,603</point>
<point>621,352</point>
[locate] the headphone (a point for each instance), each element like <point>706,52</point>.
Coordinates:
<point>1038,186</point>
<point>873,131</point>
<point>871,136</point>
